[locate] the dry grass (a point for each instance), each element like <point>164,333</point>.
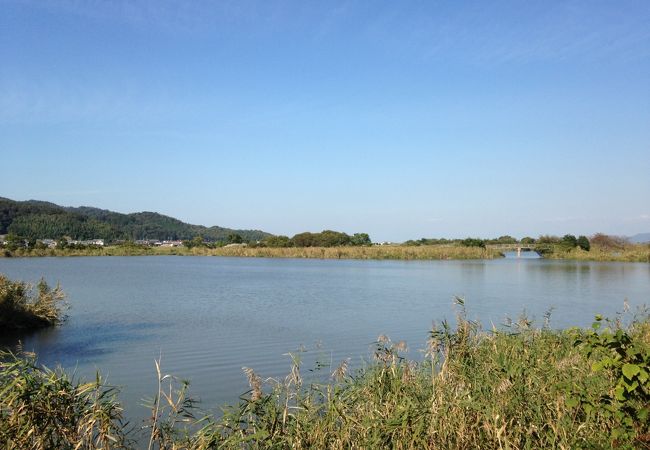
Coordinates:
<point>425,252</point>
<point>42,409</point>
<point>628,253</point>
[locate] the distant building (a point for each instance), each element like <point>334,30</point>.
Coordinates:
<point>90,242</point>
<point>171,243</point>
<point>50,243</point>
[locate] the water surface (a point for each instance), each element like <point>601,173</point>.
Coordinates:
<point>209,316</point>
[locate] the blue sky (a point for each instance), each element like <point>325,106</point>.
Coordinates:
<point>400,119</point>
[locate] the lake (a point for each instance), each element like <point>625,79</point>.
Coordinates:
<point>207,317</point>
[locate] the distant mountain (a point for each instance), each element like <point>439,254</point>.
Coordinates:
<point>640,238</point>
<point>37,219</point>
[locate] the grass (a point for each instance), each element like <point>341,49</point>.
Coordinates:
<point>517,387</point>
<point>47,409</point>
<point>629,253</point>
<point>24,308</point>
<point>373,252</point>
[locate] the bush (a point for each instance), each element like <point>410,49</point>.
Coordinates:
<point>607,242</point>
<point>583,243</point>
<point>473,242</point>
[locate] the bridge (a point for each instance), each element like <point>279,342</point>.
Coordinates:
<point>516,247</point>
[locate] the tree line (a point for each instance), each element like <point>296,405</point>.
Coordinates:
<point>566,242</point>
<point>41,220</point>
<point>326,238</point>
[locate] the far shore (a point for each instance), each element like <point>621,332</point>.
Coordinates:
<point>635,253</point>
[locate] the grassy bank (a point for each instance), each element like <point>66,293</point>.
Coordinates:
<point>372,252</point>
<point>519,387</point>
<point>23,307</point>
<point>630,253</point>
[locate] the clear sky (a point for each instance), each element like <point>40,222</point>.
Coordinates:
<point>400,119</point>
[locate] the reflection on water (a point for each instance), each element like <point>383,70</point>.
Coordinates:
<point>210,316</point>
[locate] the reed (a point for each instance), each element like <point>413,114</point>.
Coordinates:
<point>43,409</point>
<point>378,252</point>
<point>627,253</point>
<point>513,387</point>
<point>23,307</point>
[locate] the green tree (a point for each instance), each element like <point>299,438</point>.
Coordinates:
<point>527,240</point>
<point>473,242</point>
<point>569,242</point>
<point>14,241</point>
<point>195,242</point>
<point>360,239</point>
<point>547,239</point>
<point>277,241</point>
<point>234,238</point>
<point>305,239</point>
<point>583,243</point>
<point>329,238</point>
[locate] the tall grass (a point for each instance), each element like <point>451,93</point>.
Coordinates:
<point>23,308</point>
<point>45,409</point>
<point>513,388</point>
<point>399,252</point>
<point>516,387</point>
<point>628,253</point>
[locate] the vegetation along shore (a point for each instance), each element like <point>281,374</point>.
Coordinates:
<point>25,307</point>
<point>516,387</point>
<point>37,228</point>
<point>618,251</point>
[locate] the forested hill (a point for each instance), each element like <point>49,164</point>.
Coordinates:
<point>36,220</point>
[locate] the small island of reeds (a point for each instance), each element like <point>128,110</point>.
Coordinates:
<point>24,307</point>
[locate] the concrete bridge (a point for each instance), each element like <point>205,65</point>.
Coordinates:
<point>516,247</point>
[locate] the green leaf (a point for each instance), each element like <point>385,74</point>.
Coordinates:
<point>598,366</point>
<point>643,376</point>
<point>619,393</point>
<point>632,386</point>
<point>643,414</point>
<point>629,370</point>
<point>572,402</point>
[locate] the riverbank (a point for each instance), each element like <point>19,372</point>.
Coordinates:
<point>632,253</point>
<point>519,387</point>
<point>371,252</point>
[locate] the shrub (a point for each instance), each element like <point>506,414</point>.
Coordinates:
<point>583,243</point>
<point>473,242</point>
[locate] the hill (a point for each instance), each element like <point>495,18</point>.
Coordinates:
<point>640,238</point>
<point>38,219</point>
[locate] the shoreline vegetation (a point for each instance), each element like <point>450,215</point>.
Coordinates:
<point>519,386</point>
<point>24,307</point>
<point>37,228</point>
<point>627,253</point>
